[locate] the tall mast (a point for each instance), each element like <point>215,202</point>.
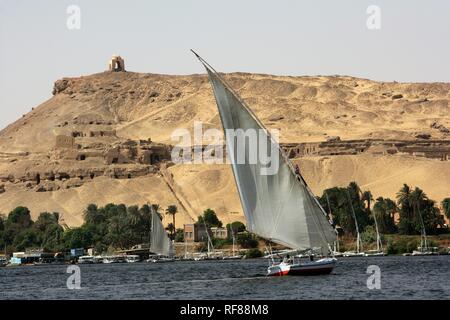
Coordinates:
<point>358,237</point>
<point>209,239</point>
<point>336,247</point>
<point>232,234</point>
<point>379,244</point>
<point>150,232</point>
<point>423,237</point>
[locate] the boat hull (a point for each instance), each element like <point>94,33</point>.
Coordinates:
<point>161,260</point>
<point>319,267</point>
<point>374,254</point>
<point>424,253</point>
<point>353,254</point>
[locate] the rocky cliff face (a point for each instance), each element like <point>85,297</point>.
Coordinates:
<point>107,138</point>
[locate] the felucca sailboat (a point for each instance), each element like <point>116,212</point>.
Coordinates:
<point>358,252</point>
<point>160,244</point>
<point>278,206</point>
<point>423,250</point>
<point>233,255</point>
<point>379,250</point>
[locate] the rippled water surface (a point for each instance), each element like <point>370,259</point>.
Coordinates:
<point>401,278</point>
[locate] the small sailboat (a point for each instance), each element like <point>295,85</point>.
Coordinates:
<point>233,255</point>
<point>277,203</point>
<point>423,250</point>
<point>160,244</point>
<point>379,251</point>
<point>187,256</point>
<point>359,248</point>
<point>336,252</point>
<point>211,254</point>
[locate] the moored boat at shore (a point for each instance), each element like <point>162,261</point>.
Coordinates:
<point>353,254</point>
<point>133,258</point>
<point>374,253</point>
<point>114,259</point>
<point>86,260</point>
<point>160,259</point>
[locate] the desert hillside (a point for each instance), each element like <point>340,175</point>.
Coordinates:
<point>106,138</point>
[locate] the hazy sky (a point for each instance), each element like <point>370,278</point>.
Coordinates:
<point>288,37</point>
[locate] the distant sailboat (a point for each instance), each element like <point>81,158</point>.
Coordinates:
<point>279,207</point>
<point>359,248</point>
<point>379,251</point>
<point>159,241</point>
<point>423,250</point>
<point>336,251</point>
<point>187,256</point>
<point>233,255</point>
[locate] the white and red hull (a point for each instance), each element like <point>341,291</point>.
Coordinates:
<point>322,266</point>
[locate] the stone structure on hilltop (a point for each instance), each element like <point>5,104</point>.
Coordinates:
<point>117,63</point>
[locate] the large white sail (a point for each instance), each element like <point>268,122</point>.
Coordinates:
<point>160,242</point>
<point>279,207</point>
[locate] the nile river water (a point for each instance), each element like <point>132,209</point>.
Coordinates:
<point>401,278</point>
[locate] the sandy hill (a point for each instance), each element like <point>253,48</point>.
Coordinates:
<point>112,128</point>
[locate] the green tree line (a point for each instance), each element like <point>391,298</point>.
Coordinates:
<point>117,226</point>
<point>412,207</point>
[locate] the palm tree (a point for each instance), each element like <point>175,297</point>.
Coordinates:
<point>172,210</point>
<point>134,215</point>
<point>404,201</point>
<point>391,208</point>
<point>116,230</point>
<point>171,228</point>
<point>366,196</point>
<point>354,190</point>
<point>56,216</point>
<point>418,198</point>
<point>404,196</point>
<point>446,207</point>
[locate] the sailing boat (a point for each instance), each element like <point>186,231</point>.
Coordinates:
<point>233,256</point>
<point>358,252</point>
<point>212,254</point>
<point>379,250</point>
<point>159,241</point>
<point>187,256</point>
<point>336,251</point>
<point>423,250</point>
<point>278,206</point>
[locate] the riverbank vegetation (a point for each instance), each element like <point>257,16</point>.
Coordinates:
<point>117,226</point>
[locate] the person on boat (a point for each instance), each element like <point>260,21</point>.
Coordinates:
<point>299,176</point>
<point>311,257</point>
<point>297,170</point>
<point>287,259</point>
